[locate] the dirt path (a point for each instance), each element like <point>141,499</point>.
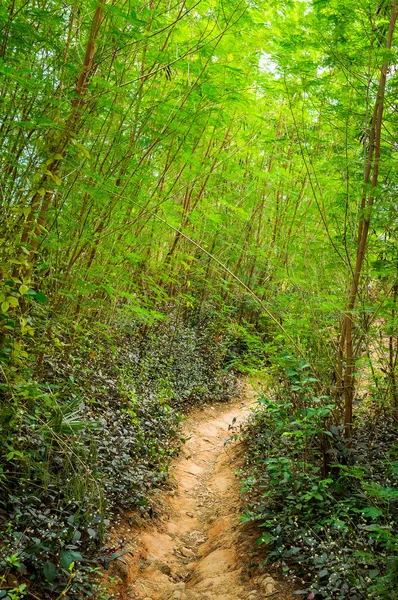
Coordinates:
<point>195,552</point>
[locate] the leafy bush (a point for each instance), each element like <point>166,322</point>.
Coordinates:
<point>246,348</point>
<point>184,365</point>
<point>89,433</point>
<point>328,513</point>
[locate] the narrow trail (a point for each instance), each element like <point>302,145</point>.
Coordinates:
<point>196,551</point>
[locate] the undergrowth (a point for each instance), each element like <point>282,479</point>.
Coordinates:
<point>328,511</point>
<point>88,427</point>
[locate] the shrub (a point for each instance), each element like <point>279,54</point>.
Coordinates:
<point>328,513</point>
<point>89,433</point>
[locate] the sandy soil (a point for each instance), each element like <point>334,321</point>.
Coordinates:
<point>198,549</point>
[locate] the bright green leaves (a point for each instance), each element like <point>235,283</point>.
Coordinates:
<point>8,301</point>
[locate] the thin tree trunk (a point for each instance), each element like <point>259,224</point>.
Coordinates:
<point>371,176</point>
<point>43,196</point>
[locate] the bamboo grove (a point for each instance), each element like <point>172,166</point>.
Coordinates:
<point>141,141</point>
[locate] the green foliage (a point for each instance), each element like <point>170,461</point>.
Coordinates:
<point>94,434</point>
<point>327,513</point>
<point>247,348</point>
<point>182,187</point>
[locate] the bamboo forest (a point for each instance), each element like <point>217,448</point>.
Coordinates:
<point>198,299</point>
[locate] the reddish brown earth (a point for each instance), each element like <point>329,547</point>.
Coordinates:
<point>198,549</point>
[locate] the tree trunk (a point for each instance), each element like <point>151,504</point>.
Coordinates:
<point>43,196</point>
<point>346,380</point>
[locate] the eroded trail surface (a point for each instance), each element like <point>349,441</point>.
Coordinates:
<point>195,552</point>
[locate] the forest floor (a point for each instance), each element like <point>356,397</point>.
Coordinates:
<point>197,548</point>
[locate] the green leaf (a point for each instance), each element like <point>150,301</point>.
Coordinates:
<point>67,557</point>
<point>38,296</point>
<point>50,571</point>
<point>305,365</point>
<point>323,573</point>
<point>76,536</point>
<point>372,511</point>
<point>373,573</point>
<point>5,306</point>
<point>13,301</point>
<point>266,538</point>
<point>291,373</point>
